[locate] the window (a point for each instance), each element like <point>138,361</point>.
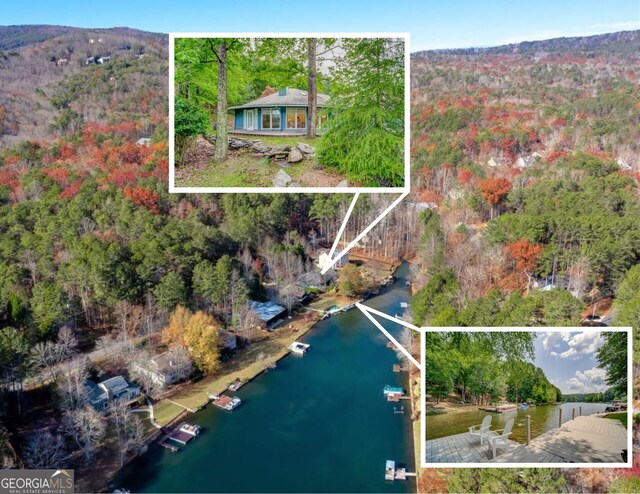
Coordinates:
<point>296,118</point>
<point>270,118</point>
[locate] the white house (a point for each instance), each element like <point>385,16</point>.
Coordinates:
<point>165,368</point>
<point>101,395</point>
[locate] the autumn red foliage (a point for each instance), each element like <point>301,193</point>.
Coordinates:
<point>525,253</point>
<point>143,197</point>
<point>494,190</point>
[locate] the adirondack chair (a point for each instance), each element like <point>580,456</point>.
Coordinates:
<point>482,429</point>
<point>500,436</point>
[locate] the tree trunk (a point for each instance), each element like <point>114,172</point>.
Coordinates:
<point>312,90</point>
<point>222,139</point>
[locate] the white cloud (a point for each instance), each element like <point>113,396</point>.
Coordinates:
<point>592,380</point>
<point>580,344</point>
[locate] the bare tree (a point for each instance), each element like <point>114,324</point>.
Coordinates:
<point>44,450</point>
<point>128,428</point>
<point>67,343</point>
<point>46,356</point>
<point>86,428</point>
<point>71,384</point>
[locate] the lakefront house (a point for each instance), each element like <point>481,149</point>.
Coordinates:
<point>282,112</point>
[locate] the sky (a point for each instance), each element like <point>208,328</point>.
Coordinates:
<point>433,24</point>
<point>568,359</point>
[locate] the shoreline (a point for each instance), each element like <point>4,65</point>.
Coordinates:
<point>247,373</point>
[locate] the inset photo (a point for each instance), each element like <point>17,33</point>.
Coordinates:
<point>527,397</point>
<point>273,113</point>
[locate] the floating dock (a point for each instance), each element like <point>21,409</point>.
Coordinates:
<point>180,437</point>
<point>299,347</point>
<point>225,402</point>
<point>392,472</point>
<point>500,408</point>
<point>236,385</point>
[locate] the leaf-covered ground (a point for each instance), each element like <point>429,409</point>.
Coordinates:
<point>242,169</point>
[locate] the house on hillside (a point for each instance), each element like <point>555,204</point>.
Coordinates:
<point>282,112</point>
<point>165,368</point>
<point>103,59</point>
<point>144,141</point>
<point>103,394</point>
<point>270,313</point>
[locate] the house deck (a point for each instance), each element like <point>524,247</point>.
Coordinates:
<point>589,439</point>
<point>271,133</point>
<point>462,448</point>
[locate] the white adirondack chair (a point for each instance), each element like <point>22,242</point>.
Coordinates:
<point>482,429</point>
<point>500,436</point>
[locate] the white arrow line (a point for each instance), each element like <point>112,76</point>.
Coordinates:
<point>365,310</point>
<point>331,261</point>
<point>325,268</point>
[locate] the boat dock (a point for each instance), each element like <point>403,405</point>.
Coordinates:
<point>392,472</point>
<point>225,402</point>
<point>299,347</point>
<point>181,435</point>
<point>585,439</point>
<point>589,439</point>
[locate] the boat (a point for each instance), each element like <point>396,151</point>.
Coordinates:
<point>225,402</point>
<point>393,391</point>
<point>299,347</point>
<point>194,430</point>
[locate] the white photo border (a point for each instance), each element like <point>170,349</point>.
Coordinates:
<point>291,190</point>
<point>602,329</point>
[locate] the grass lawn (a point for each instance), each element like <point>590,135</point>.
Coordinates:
<point>165,411</point>
<point>621,416</point>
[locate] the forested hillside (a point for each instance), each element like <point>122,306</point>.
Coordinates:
<point>96,255</point>
<point>526,159</point>
<point>53,81</point>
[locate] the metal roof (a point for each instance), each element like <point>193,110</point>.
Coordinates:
<point>266,311</point>
<point>293,97</point>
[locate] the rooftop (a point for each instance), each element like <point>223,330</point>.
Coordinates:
<point>266,311</point>
<point>288,97</point>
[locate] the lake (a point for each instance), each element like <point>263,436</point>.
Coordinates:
<point>317,423</point>
<point>543,419</point>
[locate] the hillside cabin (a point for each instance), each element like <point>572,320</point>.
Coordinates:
<point>270,313</point>
<point>284,112</point>
<point>115,389</point>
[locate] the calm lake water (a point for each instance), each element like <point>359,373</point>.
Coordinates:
<point>317,423</point>
<point>543,419</point>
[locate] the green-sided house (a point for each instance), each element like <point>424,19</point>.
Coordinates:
<point>283,112</point>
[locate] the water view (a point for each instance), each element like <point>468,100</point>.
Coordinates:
<point>543,419</point>
<point>317,423</point>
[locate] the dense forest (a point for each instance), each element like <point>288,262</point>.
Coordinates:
<point>525,162</point>
<point>482,367</point>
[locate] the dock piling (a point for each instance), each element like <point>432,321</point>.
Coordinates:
<point>573,414</point>
<point>560,419</point>
<point>528,429</point>
<point>581,410</point>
